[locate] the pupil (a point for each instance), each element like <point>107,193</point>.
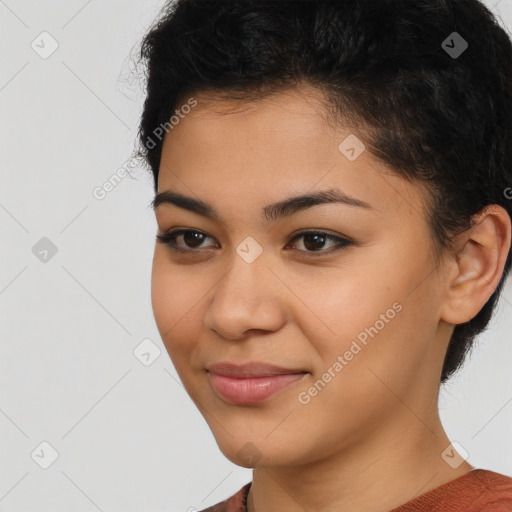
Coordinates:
<point>316,237</point>
<point>191,237</point>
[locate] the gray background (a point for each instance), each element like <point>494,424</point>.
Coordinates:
<point>128,437</point>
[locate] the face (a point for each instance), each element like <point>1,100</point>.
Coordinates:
<point>357,314</point>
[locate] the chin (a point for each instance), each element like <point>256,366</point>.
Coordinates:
<point>258,452</point>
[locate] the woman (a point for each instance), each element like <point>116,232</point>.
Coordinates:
<point>333,203</point>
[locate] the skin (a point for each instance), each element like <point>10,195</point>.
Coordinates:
<point>371,439</point>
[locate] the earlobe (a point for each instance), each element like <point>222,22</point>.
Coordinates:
<point>477,264</point>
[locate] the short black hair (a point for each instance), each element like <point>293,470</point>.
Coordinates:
<point>436,111</point>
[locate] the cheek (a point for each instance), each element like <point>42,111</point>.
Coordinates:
<point>381,324</point>
<point>175,296</point>
<point>371,326</point>
<point>344,305</point>
<point>374,306</point>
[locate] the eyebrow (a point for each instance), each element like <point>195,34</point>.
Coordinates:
<point>270,212</point>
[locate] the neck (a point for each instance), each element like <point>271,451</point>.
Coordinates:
<point>400,462</point>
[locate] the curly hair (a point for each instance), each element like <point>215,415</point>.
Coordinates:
<point>434,115</point>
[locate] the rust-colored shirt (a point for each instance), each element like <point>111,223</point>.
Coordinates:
<point>479,490</point>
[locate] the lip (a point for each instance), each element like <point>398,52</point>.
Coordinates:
<point>252,369</point>
<point>252,382</point>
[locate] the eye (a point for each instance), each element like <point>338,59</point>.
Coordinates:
<point>190,236</point>
<point>313,241</point>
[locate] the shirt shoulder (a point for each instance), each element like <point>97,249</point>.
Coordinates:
<point>235,503</point>
<point>479,490</point>
<point>496,492</point>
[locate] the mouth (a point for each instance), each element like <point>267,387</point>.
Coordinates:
<point>250,383</point>
<point>251,369</point>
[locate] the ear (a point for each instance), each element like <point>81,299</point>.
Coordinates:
<point>475,266</point>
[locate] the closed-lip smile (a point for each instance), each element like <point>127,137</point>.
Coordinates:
<point>249,370</point>
<point>250,383</point>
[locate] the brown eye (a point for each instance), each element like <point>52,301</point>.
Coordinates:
<point>191,238</point>
<point>314,242</point>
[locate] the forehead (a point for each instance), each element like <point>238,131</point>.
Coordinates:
<point>302,111</point>
<point>271,148</point>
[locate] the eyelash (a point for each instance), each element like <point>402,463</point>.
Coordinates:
<point>169,238</point>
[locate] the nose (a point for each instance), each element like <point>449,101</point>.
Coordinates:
<point>249,298</point>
